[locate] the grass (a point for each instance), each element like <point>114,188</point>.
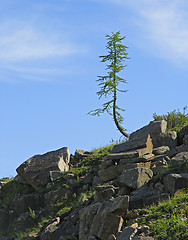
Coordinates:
<point>66,204</point>
<point>168,219</point>
<point>91,162</point>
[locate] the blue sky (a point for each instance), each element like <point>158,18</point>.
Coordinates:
<point>49,66</point>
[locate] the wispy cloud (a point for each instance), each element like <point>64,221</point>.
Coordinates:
<point>163,26</point>
<point>166,26</point>
<point>27,43</point>
<point>28,52</point>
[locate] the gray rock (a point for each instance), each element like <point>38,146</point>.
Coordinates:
<point>182,148</point>
<point>185,140</point>
<point>102,218</point>
<point>56,195</point>
<point>96,181</point>
<point>161,150</point>
<point>111,237</point>
<point>115,171</point>
<point>18,179</point>
<point>35,171</point>
<point>166,139</point>
<point>81,154</point>
<point>22,203</point>
<point>174,182</point>
<point>48,231</point>
<point>105,164</point>
<point>181,134</point>
<point>145,196</point>
<point>143,238</point>
<point>87,179</point>
<point>154,128</point>
<point>54,175</point>
<point>135,178</point>
<point>158,163</point>
<point>105,192</point>
<point>179,157</point>
<point>5,219</point>
<point>159,187</point>
<point>128,233</point>
<point>127,157</point>
<point>6,238</point>
<point>68,176</point>
<point>135,143</point>
<point>120,205</point>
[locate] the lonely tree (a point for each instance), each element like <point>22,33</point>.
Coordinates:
<point>109,84</point>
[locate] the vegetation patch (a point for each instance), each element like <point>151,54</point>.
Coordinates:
<point>10,189</point>
<point>168,219</point>
<point>176,120</point>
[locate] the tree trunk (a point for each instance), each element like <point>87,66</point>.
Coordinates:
<point>115,118</point>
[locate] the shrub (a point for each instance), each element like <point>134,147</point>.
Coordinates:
<point>176,120</point>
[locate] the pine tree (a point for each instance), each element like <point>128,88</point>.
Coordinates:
<point>109,84</point>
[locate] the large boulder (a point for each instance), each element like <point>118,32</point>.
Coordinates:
<point>103,218</point>
<point>115,171</point>
<point>35,171</point>
<point>136,177</point>
<point>181,134</point>
<point>168,139</point>
<point>179,157</point>
<point>154,128</point>
<point>145,196</point>
<point>23,203</point>
<point>174,182</point>
<point>135,143</point>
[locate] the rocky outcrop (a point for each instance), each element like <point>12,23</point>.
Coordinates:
<point>103,218</point>
<point>123,182</point>
<point>36,170</point>
<point>174,182</point>
<point>136,177</point>
<point>144,143</point>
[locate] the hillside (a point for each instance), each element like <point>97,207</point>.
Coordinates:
<point>135,189</point>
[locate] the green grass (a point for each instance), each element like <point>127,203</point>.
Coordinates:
<point>169,219</point>
<point>91,162</point>
<point>66,204</point>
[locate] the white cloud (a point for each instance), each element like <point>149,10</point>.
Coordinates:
<point>162,25</point>
<point>166,27</point>
<point>27,52</point>
<point>27,43</point>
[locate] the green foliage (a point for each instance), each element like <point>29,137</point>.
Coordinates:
<point>169,219</point>
<point>176,120</point>
<point>91,162</point>
<point>66,186</point>
<point>32,213</point>
<point>109,84</point>
<point>11,188</point>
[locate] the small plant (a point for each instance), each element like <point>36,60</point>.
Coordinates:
<point>176,120</point>
<point>32,213</point>
<point>66,186</point>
